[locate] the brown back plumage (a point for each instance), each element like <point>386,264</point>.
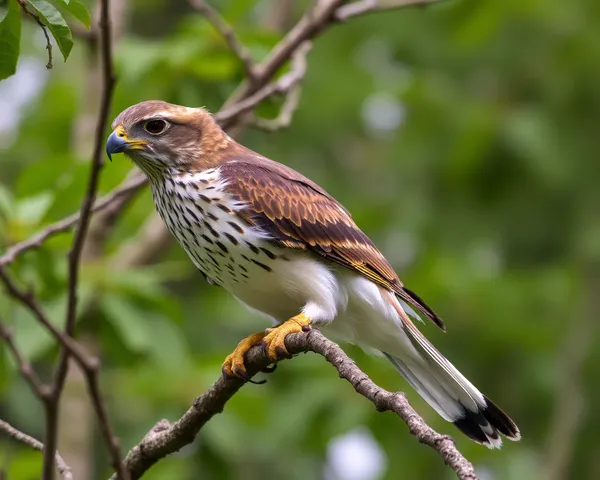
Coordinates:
<point>298,213</point>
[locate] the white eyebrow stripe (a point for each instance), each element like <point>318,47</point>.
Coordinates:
<point>163,115</point>
<point>167,114</point>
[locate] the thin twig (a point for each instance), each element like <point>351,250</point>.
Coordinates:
<point>165,439</point>
<point>74,259</point>
<point>63,468</point>
<point>38,20</point>
<point>234,44</point>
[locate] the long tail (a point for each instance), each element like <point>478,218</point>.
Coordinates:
<point>448,392</point>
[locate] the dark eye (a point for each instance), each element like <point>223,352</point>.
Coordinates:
<point>155,127</point>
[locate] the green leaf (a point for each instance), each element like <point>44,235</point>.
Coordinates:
<point>79,11</point>
<point>129,321</point>
<point>174,351</point>
<point>32,338</point>
<point>55,22</point>
<point>10,37</point>
<point>32,209</point>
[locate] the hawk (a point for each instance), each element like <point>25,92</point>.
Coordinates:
<point>286,248</point>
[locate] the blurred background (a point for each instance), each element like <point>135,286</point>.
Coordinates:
<point>464,139</point>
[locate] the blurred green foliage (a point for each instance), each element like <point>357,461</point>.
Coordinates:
<point>464,139</point>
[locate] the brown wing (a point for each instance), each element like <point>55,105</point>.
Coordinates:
<point>297,213</point>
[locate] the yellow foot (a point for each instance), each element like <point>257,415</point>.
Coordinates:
<point>274,340</point>
<point>234,366</point>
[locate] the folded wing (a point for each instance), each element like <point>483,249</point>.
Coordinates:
<point>297,213</point>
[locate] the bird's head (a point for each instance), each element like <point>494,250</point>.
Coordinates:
<point>162,138</point>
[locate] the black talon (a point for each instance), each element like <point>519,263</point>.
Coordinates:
<point>246,378</point>
<point>259,382</point>
<point>269,369</point>
<point>239,373</point>
<point>281,353</point>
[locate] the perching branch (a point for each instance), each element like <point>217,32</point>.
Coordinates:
<point>63,468</point>
<point>164,438</point>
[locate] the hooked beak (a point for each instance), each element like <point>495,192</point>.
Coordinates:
<point>118,142</point>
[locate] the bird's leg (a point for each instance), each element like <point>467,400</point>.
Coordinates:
<point>234,366</point>
<point>274,341</point>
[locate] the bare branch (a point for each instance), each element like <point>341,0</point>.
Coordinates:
<point>165,439</point>
<point>63,468</point>
<point>238,49</point>
<point>309,26</point>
